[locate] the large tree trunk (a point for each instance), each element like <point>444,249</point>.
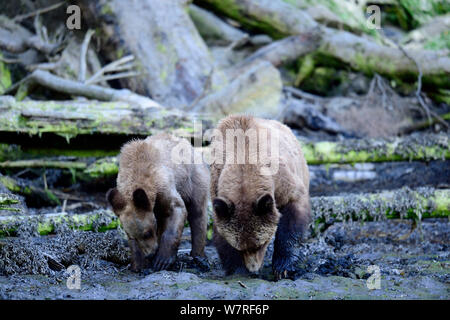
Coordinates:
<point>173,58</point>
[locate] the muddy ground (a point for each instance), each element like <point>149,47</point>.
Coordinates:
<point>413,260</point>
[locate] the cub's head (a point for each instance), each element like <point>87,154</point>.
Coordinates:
<point>137,218</point>
<point>247,225</point>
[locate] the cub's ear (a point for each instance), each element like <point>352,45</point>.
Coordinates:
<point>115,199</point>
<point>222,208</point>
<point>265,204</point>
<point>140,199</point>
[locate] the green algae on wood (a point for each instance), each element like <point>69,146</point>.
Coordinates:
<point>72,118</point>
<point>100,221</point>
<point>413,147</point>
<point>403,203</point>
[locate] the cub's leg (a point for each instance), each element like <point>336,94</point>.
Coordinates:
<point>291,229</point>
<point>230,258</point>
<point>138,261</point>
<point>197,218</point>
<point>171,233</point>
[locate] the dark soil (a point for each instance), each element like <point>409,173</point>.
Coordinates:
<point>413,260</point>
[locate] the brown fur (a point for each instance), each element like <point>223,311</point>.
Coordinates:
<point>154,196</point>
<point>246,232</point>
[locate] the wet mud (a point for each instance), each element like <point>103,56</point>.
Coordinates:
<point>412,261</point>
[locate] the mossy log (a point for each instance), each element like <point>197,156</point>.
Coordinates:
<point>213,29</point>
<point>33,195</point>
<point>72,118</point>
<point>409,148</point>
<point>279,18</point>
<point>10,203</point>
<point>100,221</point>
<point>403,203</point>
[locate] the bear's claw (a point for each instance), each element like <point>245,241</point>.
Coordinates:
<point>162,263</point>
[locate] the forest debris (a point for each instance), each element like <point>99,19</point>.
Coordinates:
<point>254,89</point>
<point>98,220</point>
<point>16,39</point>
<point>34,196</point>
<point>173,59</point>
<point>72,118</point>
<point>402,203</point>
<point>299,114</point>
<point>213,29</point>
<point>75,88</point>
<point>286,50</point>
<point>361,53</point>
<point>413,147</point>
<point>275,17</point>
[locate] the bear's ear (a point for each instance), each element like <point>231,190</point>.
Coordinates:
<point>264,204</point>
<point>140,199</point>
<point>115,199</point>
<point>222,208</point>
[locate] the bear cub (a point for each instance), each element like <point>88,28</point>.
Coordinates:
<point>251,205</point>
<point>153,198</point>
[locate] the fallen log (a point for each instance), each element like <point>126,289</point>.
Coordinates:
<point>100,221</point>
<point>286,50</point>
<point>278,18</point>
<point>403,203</point>
<point>409,148</point>
<point>213,29</point>
<point>72,118</point>
<point>76,88</point>
<point>274,17</point>
<point>414,147</point>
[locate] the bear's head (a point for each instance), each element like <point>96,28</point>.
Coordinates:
<point>137,218</point>
<point>248,225</point>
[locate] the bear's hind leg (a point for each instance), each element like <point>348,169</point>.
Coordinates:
<point>291,229</point>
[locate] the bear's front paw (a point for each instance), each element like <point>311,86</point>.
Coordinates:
<point>163,262</point>
<point>283,268</point>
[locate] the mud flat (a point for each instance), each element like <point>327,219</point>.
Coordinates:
<point>413,260</point>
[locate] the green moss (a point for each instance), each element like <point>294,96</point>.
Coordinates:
<point>439,42</point>
<point>5,76</point>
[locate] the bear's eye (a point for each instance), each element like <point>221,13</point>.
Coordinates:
<point>148,235</point>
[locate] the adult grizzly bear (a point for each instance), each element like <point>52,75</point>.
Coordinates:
<point>252,205</point>
<point>153,197</point>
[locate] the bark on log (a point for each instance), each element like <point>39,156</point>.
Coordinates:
<point>172,56</point>
<point>213,29</point>
<point>418,148</point>
<point>286,50</point>
<point>100,221</point>
<point>362,53</point>
<point>274,17</point>
<point>72,118</point>
<point>403,203</point>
